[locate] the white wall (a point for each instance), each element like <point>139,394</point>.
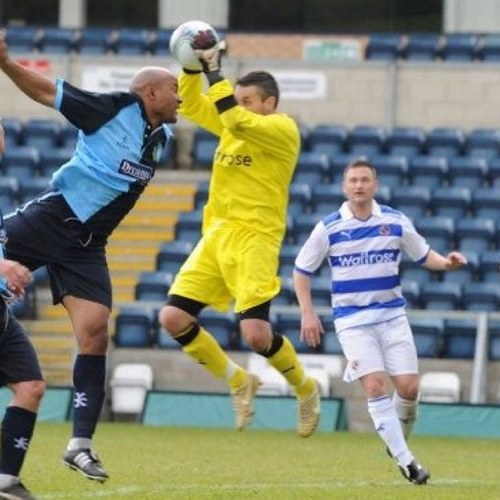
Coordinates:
<point>174,12</point>
<point>476,16</point>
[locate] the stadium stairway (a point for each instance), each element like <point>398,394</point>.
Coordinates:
<point>131,250</point>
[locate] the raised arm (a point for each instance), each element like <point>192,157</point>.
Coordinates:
<point>33,84</point>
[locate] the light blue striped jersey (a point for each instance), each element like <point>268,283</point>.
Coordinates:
<point>364,256</point>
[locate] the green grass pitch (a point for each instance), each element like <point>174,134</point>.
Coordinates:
<point>170,463</point>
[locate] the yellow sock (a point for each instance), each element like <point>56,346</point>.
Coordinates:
<point>206,351</point>
<point>289,365</point>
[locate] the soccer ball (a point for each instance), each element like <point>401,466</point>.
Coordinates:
<point>182,38</point>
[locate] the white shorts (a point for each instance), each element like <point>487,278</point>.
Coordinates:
<point>381,347</point>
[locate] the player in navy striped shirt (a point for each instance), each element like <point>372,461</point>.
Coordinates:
<point>363,242</point>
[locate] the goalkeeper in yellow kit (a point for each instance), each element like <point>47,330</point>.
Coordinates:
<point>244,223</point>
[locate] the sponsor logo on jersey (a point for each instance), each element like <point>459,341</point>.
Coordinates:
<point>230,160</point>
<point>364,258</point>
<point>142,173</point>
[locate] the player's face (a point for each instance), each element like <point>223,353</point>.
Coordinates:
<point>360,185</point>
<point>167,99</point>
<point>250,98</point>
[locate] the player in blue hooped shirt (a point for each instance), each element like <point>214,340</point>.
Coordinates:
<point>121,138</point>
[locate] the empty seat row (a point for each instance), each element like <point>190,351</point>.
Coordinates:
<point>14,191</point>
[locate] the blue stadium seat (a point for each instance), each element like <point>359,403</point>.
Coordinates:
<point>445,141</point>
<point>414,271</point>
<point>41,133</point>
<point>485,202</point>
<point>489,48</point>
<point>25,307</point>
<point>131,42</point>
<point>383,195</point>
<point>442,296</point>
<point>31,187</point>
<point>13,132</point>
<point>204,146</point>
<point>475,234</point>
<point>391,170</point>
<point>153,286</point>
<point>494,340</point>
<point>366,140</point>
<point>133,327</point>
<point>288,325</point>
<point>286,295</point>
<point>422,47</point>
<point>484,296</point>
<point>321,290</point>
<point>188,226</point>
<point>21,162</point>
<point>56,40</point>
<point>384,46</point>
<point>68,136</point>
<point>464,274</point>
<point>466,171</point>
<point>22,39</point>
<point>164,341</point>
<point>413,201</point>
<point>428,336</point>
<point>288,255</point>
<point>159,42</point>
<point>326,198</point>
<point>172,255</point>
<point>328,139</point>
<point>337,165</point>
<point>330,343</point>
<point>299,197</point>
<point>483,143</point>
<point>303,226</point>
<point>439,232</point>
<point>201,195</point>
<point>451,202</point>
<point>93,41</point>
<point>459,47</point>
<point>52,158</point>
<point>459,338</point>
<point>312,168</point>
<point>489,266</point>
<point>428,171</point>
<point>411,292</point>
<point>222,326</point>
<point>405,141</point>
<point>9,188</point>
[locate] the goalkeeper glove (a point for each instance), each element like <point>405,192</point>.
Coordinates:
<point>208,51</point>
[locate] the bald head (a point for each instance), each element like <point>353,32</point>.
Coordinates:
<point>150,75</point>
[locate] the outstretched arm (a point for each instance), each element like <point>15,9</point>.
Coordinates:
<point>437,262</point>
<point>33,84</point>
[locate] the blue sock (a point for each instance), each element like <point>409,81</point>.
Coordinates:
<point>17,428</point>
<point>89,374</point>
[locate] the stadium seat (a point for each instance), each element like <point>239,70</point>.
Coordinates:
<point>288,255</point>
<point>9,188</point>
<point>384,46</point>
<point>93,41</point>
<point>22,39</point>
<point>391,170</point>
<point>428,336</point>
<point>328,139</point>
<point>428,171</point>
<point>131,42</point>
<point>440,387</point>
<point>56,40</point>
<point>163,340</point>
<point>459,338</point>
<point>68,136</point>
<point>494,340</point>
<point>52,158</point>
<point>466,171</point>
<point>289,325</point>
<point>413,201</point>
<point>201,195</point>
<point>366,140</point>
<point>153,286</point>
<point>445,141</point>
<point>488,49</point>
<point>451,202</point>
<point>172,255</point>
<point>204,146</point>
<point>41,133</point>
<point>272,382</point>
<point>489,266</point>
<point>414,271</point>
<point>483,143</point>
<point>133,328</point>
<point>405,141</point>
<point>13,132</point>
<point>286,295</point>
<point>439,232</point>
<point>159,42</point>
<point>222,326</point>
<point>485,202</point>
<point>411,292</point>
<point>31,187</point>
<point>188,226</point>
<point>21,162</point>
<point>475,234</point>
<point>337,165</point>
<point>422,47</point>
<point>312,168</point>
<point>465,274</point>
<point>321,290</point>
<point>459,47</point>
<point>330,343</point>
<point>484,296</point>
<point>326,198</point>
<point>441,296</point>
<point>299,197</point>
<point>303,226</point>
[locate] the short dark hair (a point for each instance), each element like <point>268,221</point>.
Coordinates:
<point>265,82</point>
<point>360,162</point>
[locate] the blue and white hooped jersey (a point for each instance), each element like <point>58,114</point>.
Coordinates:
<point>115,157</point>
<point>364,256</point>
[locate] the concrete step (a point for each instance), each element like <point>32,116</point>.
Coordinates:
<point>147,220</point>
<point>133,235</point>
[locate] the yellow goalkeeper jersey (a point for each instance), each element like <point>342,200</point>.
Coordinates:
<point>253,163</point>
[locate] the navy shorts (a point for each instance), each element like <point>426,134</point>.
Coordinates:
<point>46,231</point>
<point>18,360</point>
